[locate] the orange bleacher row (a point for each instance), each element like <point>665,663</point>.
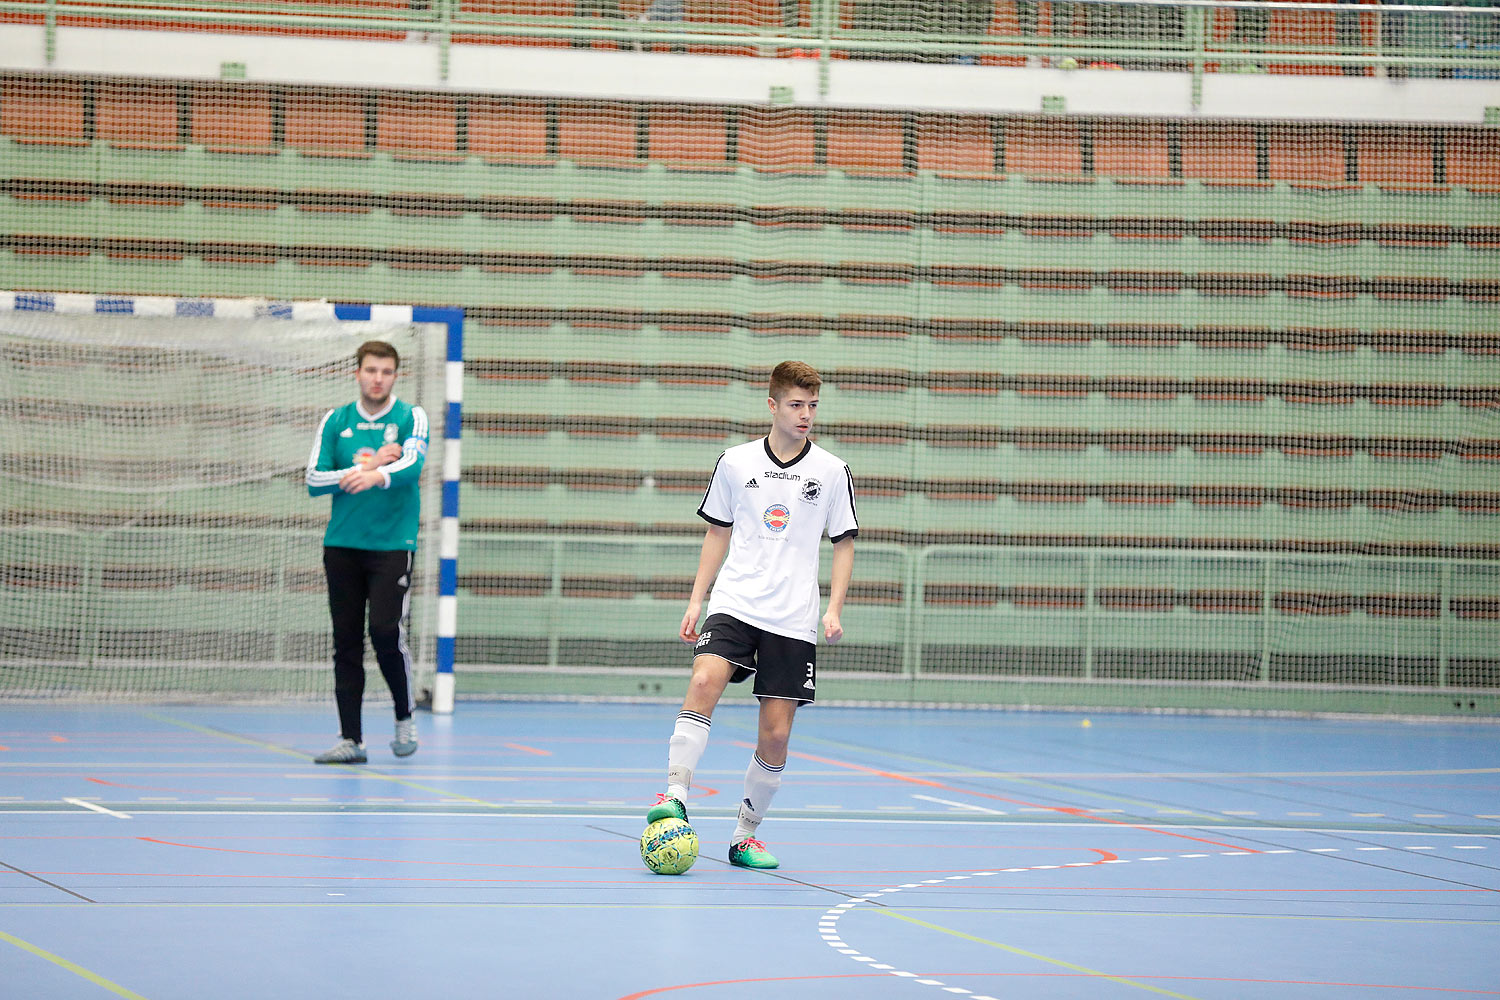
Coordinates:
<point>265,119</point>
<point>700,213</point>
<point>1237,284</point>
<point>985,329</point>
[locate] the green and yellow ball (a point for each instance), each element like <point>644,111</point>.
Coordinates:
<point>669,846</point>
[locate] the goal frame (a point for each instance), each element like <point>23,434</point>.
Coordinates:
<point>451,318</point>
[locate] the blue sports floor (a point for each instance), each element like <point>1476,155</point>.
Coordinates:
<point>179,852</point>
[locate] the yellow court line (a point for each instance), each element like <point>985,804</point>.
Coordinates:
<point>347,904</point>
<point>358,769</point>
<point>888,912</point>
<point>72,967</point>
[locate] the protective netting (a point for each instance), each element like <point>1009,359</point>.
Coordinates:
<point>1149,411</point>
<point>157,537</point>
<point>1419,38</point>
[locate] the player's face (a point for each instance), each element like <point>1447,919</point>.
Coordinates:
<point>792,415</point>
<point>376,377</point>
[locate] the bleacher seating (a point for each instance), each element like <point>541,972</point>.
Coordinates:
<point>1088,335</point>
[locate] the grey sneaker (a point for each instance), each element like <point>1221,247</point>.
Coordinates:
<point>343,752</point>
<point>405,743</point>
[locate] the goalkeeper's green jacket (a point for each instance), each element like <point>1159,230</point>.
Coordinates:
<point>383,518</point>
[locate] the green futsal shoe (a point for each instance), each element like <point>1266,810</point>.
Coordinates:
<point>666,808</point>
<point>751,853</point>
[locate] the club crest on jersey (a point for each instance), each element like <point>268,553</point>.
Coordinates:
<point>390,433</point>
<point>777,517</point>
<point>811,490</point>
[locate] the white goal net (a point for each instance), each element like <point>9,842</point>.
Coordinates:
<point>157,537</point>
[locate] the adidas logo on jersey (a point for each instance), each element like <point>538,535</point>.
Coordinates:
<point>346,433</point>
<point>752,485</point>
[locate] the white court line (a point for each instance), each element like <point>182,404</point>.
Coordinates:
<point>960,805</point>
<point>515,809</point>
<point>97,808</point>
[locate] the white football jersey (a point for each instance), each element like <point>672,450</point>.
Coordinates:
<point>779,514</point>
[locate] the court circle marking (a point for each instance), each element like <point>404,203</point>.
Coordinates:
<point>828,923</point>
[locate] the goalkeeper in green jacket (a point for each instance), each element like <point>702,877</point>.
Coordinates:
<point>368,455</point>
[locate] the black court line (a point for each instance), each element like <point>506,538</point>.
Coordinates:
<point>770,873</point>
<point>37,878</point>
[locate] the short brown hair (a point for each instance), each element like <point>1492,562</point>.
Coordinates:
<point>379,349</point>
<point>791,375</point>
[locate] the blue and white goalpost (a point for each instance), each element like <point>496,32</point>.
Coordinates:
<point>119,436</point>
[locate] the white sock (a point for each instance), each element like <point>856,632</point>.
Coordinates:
<point>684,750</point>
<point>761,782</point>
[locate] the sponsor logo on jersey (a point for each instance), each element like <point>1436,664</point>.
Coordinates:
<point>777,517</point>
<point>364,455</point>
<point>752,484</point>
<point>773,474</point>
<point>811,490</point>
<point>366,425</point>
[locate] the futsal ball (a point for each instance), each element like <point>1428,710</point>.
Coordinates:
<point>669,846</point>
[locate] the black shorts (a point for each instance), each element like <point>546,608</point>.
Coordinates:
<point>783,667</point>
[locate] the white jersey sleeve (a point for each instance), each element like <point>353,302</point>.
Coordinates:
<point>842,520</point>
<point>718,501</point>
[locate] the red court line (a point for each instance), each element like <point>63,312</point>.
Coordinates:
<point>342,857</point>
<point>492,864</point>
<point>1065,810</point>
<point>153,788</point>
<point>542,881</point>
<point>526,749</point>
<point>434,779</point>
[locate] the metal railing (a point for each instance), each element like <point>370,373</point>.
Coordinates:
<point>1095,617</point>
<point>1195,36</point>
<point>1082,603</point>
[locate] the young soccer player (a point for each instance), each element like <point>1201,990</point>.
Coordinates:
<point>767,506</point>
<point>368,455</point>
